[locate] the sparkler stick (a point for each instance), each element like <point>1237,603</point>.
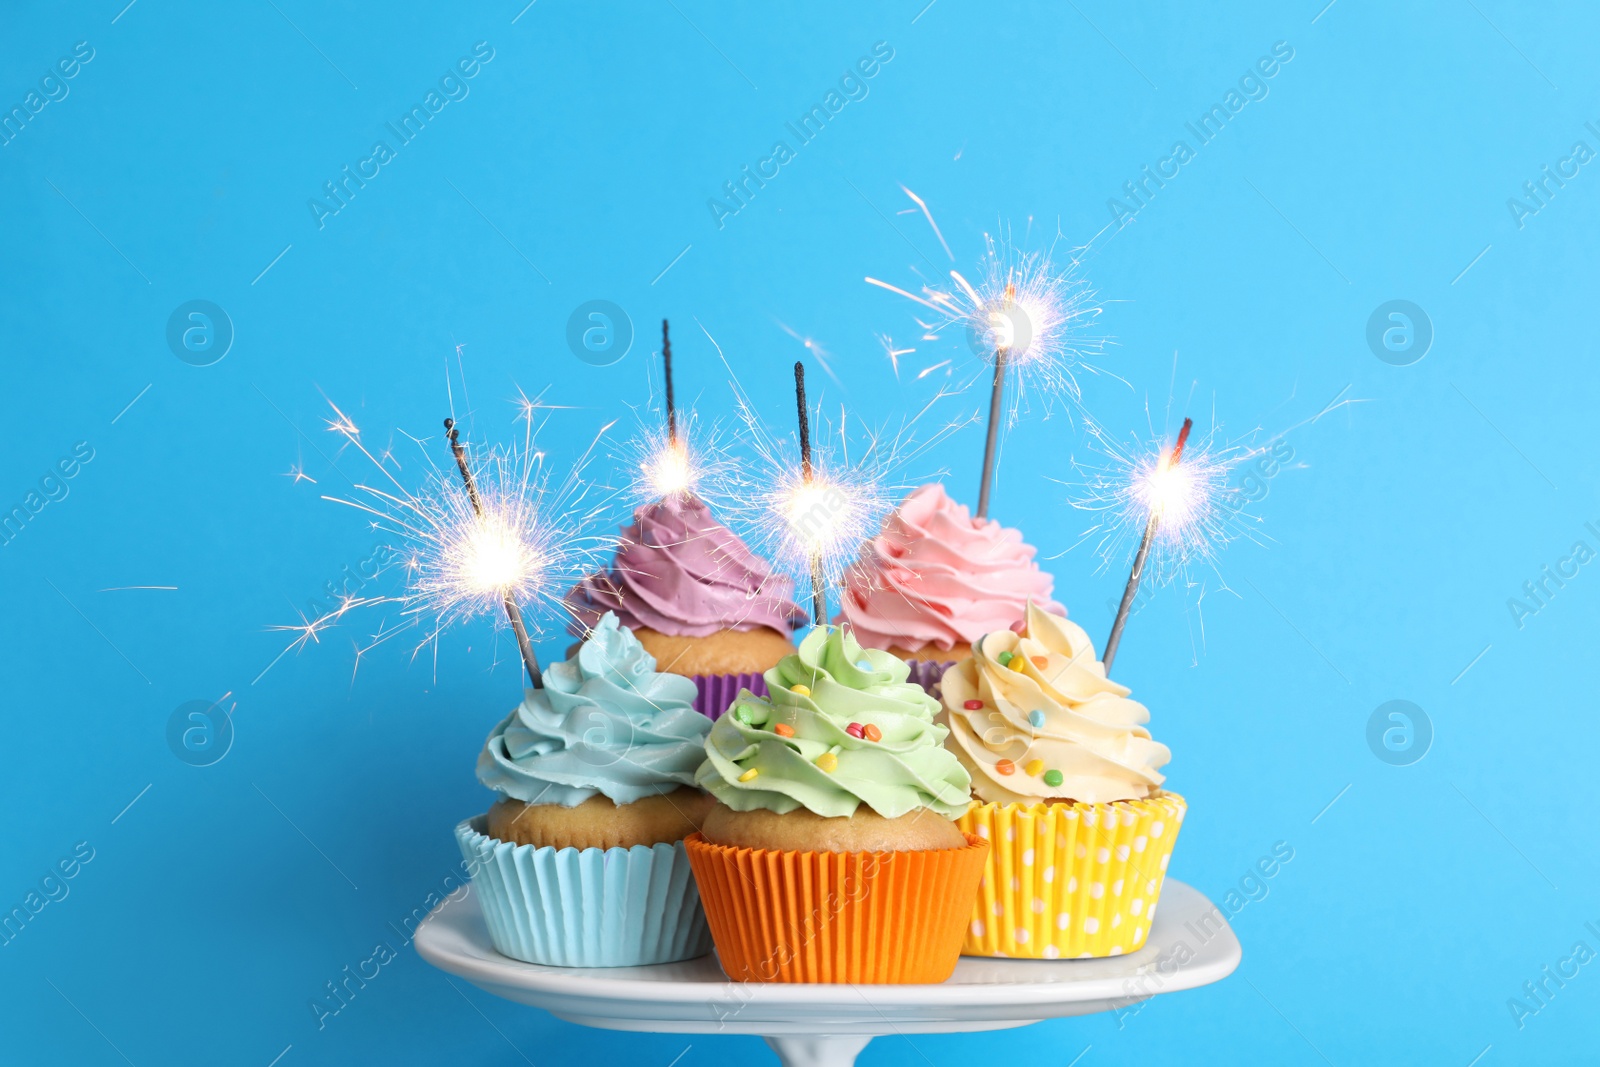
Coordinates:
<point>667,465</point>
<point>529,660</point>
<point>992,439</point>
<point>819,593</point>
<point>666,362</point>
<point>1132,587</point>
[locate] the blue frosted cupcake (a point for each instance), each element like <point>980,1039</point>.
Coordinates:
<point>580,862</point>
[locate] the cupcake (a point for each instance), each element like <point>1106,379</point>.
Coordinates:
<point>831,854</point>
<point>935,579</point>
<point>696,597</point>
<point>1067,783</point>
<point>581,862</point>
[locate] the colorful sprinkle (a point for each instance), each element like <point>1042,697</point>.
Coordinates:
<point>748,775</point>
<point>864,665</point>
<point>973,705</point>
<point>871,732</point>
<point>1018,663</point>
<point>1036,718</point>
<point>1052,778</point>
<point>1040,661</point>
<point>750,716</point>
<point>854,729</point>
<point>783,729</point>
<point>1004,658</point>
<point>828,762</point>
<point>1034,767</point>
<point>800,690</point>
<point>1005,766</point>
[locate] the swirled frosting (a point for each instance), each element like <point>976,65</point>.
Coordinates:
<point>679,571</point>
<point>1033,717</point>
<point>604,723</point>
<point>936,576</point>
<point>841,727</point>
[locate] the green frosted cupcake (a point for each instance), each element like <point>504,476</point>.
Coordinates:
<point>832,854</point>
<point>842,754</point>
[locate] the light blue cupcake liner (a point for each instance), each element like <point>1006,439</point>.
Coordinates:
<point>592,907</point>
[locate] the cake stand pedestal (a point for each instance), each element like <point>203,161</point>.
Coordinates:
<point>1190,945</point>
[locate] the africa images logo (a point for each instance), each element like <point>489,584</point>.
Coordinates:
<point>452,87</point>
<point>1251,86</point>
<point>852,86</point>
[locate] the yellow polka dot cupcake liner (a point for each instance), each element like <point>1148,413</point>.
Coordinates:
<point>1070,880</point>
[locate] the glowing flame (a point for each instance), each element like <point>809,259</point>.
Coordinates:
<point>493,558</point>
<point>1171,491</point>
<point>668,469</point>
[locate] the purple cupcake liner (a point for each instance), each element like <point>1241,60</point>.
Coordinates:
<point>929,674</point>
<point>715,693</point>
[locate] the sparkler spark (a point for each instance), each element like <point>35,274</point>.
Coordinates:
<point>466,550</point>
<point>298,473</point>
<point>892,353</point>
<point>917,200</point>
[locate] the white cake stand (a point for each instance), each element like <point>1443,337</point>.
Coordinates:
<point>1190,945</point>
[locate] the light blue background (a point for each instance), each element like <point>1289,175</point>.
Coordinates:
<point>1378,168</point>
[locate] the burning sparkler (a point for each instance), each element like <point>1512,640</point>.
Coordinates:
<point>666,467</point>
<point>808,500</point>
<point>497,559</point>
<point>674,457</point>
<point>991,438</point>
<point>1171,516</point>
<point>489,537</point>
<point>1166,487</point>
<point>1026,317</point>
<point>811,524</point>
<point>809,508</point>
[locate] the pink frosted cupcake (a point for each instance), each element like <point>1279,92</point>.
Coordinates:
<point>935,579</point>
<point>697,598</point>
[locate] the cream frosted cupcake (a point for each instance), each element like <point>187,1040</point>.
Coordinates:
<point>935,579</point>
<point>1068,783</point>
<point>581,862</point>
<point>831,855</point>
<point>697,598</point>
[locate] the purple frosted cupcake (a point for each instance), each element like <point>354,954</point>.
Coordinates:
<point>697,598</point>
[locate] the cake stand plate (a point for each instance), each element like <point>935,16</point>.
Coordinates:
<point>1190,945</point>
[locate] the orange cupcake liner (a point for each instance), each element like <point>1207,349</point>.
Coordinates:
<point>1068,881</point>
<point>859,917</point>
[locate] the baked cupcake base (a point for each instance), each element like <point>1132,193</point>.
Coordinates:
<point>600,823</point>
<point>865,831</point>
<point>591,907</point>
<point>724,652</point>
<point>1068,880</point>
<point>858,917</point>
